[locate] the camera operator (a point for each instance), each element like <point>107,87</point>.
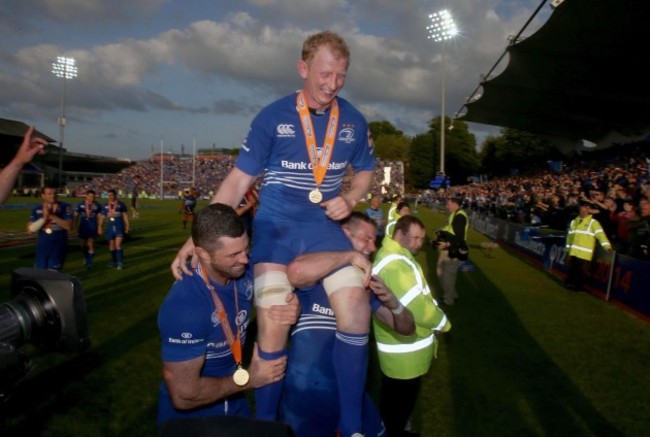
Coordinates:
<point>28,149</point>
<point>452,249</point>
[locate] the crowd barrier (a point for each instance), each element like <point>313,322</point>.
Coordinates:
<point>617,278</point>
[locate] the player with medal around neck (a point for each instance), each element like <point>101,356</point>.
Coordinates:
<point>324,76</point>
<point>275,145</point>
<point>201,314</point>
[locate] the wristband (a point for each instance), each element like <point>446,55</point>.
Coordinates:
<point>398,310</point>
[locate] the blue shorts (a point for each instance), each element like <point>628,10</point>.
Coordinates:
<point>279,242</point>
<point>87,229</point>
<point>51,250</point>
<point>114,229</point>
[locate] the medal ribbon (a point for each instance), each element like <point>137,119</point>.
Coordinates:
<point>233,341</point>
<point>111,208</point>
<point>51,208</point>
<point>319,167</point>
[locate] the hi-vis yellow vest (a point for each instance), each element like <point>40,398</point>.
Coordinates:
<point>392,218</point>
<point>582,235</point>
<point>407,357</point>
<point>449,228</point>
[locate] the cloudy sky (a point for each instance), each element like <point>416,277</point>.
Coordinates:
<point>199,70</point>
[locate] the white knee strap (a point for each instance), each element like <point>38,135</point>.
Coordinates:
<point>271,288</point>
<point>347,277</point>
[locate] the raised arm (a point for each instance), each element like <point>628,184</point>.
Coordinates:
<point>28,149</point>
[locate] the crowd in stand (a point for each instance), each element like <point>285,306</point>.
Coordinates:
<point>178,172</point>
<point>616,182</point>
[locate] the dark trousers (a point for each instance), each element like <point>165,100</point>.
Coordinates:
<point>397,399</point>
<point>577,272</point>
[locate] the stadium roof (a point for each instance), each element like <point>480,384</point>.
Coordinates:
<point>13,128</point>
<point>583,75</point>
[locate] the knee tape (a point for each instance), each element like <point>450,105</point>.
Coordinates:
<point>271,288</point>
<point>347,277</point>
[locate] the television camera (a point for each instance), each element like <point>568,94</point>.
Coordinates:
<point>47,310</point>
<point>460,251</point>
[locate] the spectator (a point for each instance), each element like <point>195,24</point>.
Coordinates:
<point>377,215</point>
<point>28,149</point>
<point>621,220</point>
<point>639,228</point>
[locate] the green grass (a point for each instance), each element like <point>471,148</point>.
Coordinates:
<point>524,357</point>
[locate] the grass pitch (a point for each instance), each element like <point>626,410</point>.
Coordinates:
<point>524,357</point>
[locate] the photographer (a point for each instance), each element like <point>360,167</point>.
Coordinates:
<point>452,249</point>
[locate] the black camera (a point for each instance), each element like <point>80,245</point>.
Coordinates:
<point>48,310</point>
<point>460,251</point>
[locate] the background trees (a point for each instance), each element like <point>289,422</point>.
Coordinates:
<point>510,151</point>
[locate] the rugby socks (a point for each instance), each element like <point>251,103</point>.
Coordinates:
<point>114,258</point>
<point>119,256</point>
<point>89,258</point>
<point>267,398</point>
<point>350,355</point>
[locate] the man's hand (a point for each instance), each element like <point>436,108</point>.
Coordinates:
<point>383,293</point>
<point>179,265</point>
<point>362,262</point>
<point>30,147</point>
<point>286,314</point>
<point>337,208</point>
<point>264,372</point>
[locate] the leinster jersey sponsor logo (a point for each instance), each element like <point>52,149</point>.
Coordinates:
<point>286,131</point>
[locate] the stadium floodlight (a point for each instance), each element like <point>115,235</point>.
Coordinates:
<point>441,29</point>
<point>64,68</point>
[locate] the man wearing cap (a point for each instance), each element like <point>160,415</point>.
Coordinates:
<point>447,267</point>
<point>581,238</point>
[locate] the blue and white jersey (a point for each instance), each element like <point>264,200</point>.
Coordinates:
<point>190,328</point>
<point>115,210</point>
<point>275,145</point>
<point>88,218</point>
<point>61,210</point>
<point>310,401</point>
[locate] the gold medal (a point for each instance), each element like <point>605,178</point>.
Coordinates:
<point>241,376</point>
<point>48,230</point>
<point>112,219</point>
<point>315,196</point>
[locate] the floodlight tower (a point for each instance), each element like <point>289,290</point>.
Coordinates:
<point>64,68</point>
<point>441,29</point>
